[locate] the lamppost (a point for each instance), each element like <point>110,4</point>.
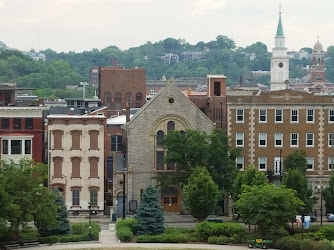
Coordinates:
<point>302,214</point>
<point>320,188</point>
<point>90,219</point>
<point>123,193</point>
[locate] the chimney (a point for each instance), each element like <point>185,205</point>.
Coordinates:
<point>127,111</point>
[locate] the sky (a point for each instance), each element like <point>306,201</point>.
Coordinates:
<point>79,25</point>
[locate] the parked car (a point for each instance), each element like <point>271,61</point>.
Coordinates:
<point>330,217</point>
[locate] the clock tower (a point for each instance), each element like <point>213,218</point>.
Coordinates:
<point>279,73</point>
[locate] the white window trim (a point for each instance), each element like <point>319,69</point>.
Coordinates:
<point>294,146</point>
<point>307,115</point>
<point>262,169</point>
<point>281,140</point>
<point>243,162</point>
<point>310,169</point>
<point>330,140</point>
<point>329,115</point>
<point>281,116</point>
<point>265,145</point>
<point>329,162</point>
<point>17,138</point>
<point>236,116</point>
<point>307,140</point>
<point>292,115</point>
<point>265,121</point>
<point>236,140</point>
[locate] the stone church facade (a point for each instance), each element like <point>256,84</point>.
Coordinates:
<point>170,109</point>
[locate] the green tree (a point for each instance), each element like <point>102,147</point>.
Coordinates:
<point>62,226</point>
<point>267,207</point>
<point>201,193</point>
<point>296,160</point>
<point>250,177</point>
<point>149,213</point>
<point>328,194</point>
<point>297,180</point>
<point>24,198</point>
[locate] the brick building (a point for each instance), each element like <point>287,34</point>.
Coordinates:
<point>270,126</point>
<point>118,86</point>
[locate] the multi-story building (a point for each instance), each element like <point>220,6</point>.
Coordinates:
<point>76,160</point>
<point>270,126</point>
<point>120,86</point>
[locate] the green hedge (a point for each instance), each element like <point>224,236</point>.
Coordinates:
<point>125,234</point>
<point>328,232</point>
<point>220,240</point>
<point>164,238</point>
<point>206,229</point>
<point>126,223</point>
<point>289,243</point>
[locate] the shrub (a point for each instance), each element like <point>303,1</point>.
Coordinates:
<point>125,234</point>
<point>322,245</point>
<point>126,223</point>
<point>29,235</point>
<point>222,240</point>
<point>74,238</point>
<point>206,229</point>
<point>49,239</point>
<point>78,228</point>
<point>212,240</point>
<point>312,236</point>
<point>327,231</point>
<point>163,238</point>
<point>307,245</point>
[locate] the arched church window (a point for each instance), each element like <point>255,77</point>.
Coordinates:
<point>118,101</point>
<point>160,137</point>
<point>107,99</point>
<point>139,100</point>
<point>128,98</point>
<point>318,61</point>
<point>170,125</point>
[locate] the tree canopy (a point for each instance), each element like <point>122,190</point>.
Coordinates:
<point>296,160</point>
<point>201,193</point>
<point>328,194</point>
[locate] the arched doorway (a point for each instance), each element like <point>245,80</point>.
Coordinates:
<point>171,200</point>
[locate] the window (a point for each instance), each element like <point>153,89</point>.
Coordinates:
<point>28,123</point>
<point>239,163</point>
<point>160,138</point>
<point>94,140</point>
<point>310,115</point>
<point>118,101</point>
<point>76,197</point>
<point>79,104</point>
<point>262,163</point>
<point>294,140</point>
<point>330,140</point>
<point>278,139</point>
<point>160,160</point>
<point>70,104</point>
<point>216,89</point>
<point>76,134</point>
<point>262,115</point>
<point>93,197</point>
<point>4,123</point>
<point>17,123</point>
<point>94,167</point>
<point>58,168</point>
<point>5,147</point>
<point>76,167</point>
<point>170,165</point>
<point>262,139</point>
<point>116,143</point>
<point>309,140</point>
<point>239,139</point>
<point>170,125</point>
<point>139,100</point>
<point>27,147</point>
<point>16,147</point>
<point>57,137</point>
<point>240,115</point>
<point>294,116</point>
<point>330,163</point>
<point>331,115</point>
<point>310,163</point>
<point>278,115</point>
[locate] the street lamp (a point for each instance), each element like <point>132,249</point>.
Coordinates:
<point>302,214</point>
<point>320,192</point>
<point>124,172</point>
<point>90,220</point>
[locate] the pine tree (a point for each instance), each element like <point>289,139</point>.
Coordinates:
<point>63,224</point>
<point>149,213</point>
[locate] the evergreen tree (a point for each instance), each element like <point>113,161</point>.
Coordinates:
<point>149,213</point>
<point>63,224</point>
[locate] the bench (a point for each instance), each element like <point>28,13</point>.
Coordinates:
<point>11,246</point>
<point>30,244</point>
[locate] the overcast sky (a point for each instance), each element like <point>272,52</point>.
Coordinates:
<point>78,25</point>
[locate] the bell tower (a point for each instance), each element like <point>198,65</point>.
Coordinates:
<point>279,72</point>
<point>318,64</point>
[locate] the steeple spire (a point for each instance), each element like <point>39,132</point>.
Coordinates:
<point>280,27</point>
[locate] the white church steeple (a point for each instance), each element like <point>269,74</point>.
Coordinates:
<point>279,61</point>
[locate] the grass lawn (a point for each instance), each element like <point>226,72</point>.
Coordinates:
<point>129,248</point>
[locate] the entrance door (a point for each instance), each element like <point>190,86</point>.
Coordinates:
<point>119,206</point>
<point>170,200</point>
